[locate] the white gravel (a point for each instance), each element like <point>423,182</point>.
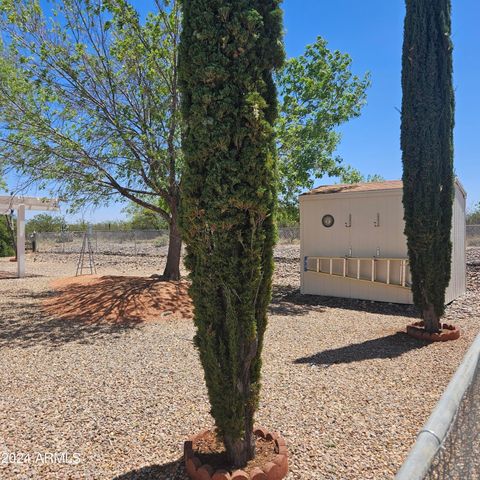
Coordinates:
<point>348,392</point>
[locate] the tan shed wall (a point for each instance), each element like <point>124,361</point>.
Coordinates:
<point>458,282</point>
<point>369,235</point>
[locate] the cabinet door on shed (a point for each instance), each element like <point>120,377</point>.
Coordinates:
<point>366,232</point>
<point>325,234</point>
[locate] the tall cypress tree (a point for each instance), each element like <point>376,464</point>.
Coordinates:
<point>228,51</point>
<point>427,146</point>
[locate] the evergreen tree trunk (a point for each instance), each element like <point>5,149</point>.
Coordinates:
<point>228,51</point>
<point>427,147</point>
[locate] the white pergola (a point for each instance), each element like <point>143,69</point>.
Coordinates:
<point>20,204</point>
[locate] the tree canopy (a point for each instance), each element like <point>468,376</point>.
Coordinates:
<point>89,103</point>
<point>89,107</point>
<point>318,93</point>
<point>92,92</point>
<point>6,247</point>
<point>45,222</point>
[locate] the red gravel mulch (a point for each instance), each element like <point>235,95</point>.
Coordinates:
<point>118,299</point>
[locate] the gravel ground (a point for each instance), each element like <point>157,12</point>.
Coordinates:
<point>345,388</point>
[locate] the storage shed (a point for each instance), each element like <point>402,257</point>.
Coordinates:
<point>353,243</point>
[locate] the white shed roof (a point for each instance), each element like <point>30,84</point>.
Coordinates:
<point>8,203</point>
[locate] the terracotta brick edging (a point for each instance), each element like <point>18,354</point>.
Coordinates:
<point>450,332</point>
<point>277,469</point>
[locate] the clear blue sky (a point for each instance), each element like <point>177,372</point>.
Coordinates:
<point>371,32</point>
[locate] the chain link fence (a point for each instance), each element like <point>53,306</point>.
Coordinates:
<point>289,234</point>
<point>134,242</point>
<point>459,456</point>
<point>147,242</point>
<point>473,235</point>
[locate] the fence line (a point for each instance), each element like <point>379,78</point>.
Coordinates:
<point>473,235</point>
<point>448,446</point>
<point>132,242</point>
<point>151,242</point>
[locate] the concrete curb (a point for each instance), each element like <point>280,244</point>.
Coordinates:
<point>433,433</point>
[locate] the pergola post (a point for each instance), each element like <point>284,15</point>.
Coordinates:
<point>21,241</point>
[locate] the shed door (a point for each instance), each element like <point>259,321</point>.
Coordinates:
<point>333,240</point>
<point>367,233</point>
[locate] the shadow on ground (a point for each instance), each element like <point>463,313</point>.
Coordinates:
<point>86,312</point>
<point>288,301</point>
<point>390,346</point>
<point>119,299</point>
<point>167,471</point>
<point>13,275</point>
<point>31,327</point>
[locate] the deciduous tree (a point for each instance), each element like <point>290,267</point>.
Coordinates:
<point>89,103</point>
<point>318,93</point>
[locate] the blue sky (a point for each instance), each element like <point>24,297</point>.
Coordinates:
<point>371,32</point>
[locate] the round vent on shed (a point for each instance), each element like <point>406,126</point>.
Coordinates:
<point>328,221</point>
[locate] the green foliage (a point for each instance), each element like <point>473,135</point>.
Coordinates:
<point>427,146</point>
<point>138,219</point>
<point>373,178</point>
<point>6,247</point>
<point>318,93</point>
<point>228,51</point>
<point>84,102</point>
<point>287,215</point>
<point>144,219</point>
<point>473,215</point>
<point>44,222</point>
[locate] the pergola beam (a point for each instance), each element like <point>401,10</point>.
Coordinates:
<point>9,203</point>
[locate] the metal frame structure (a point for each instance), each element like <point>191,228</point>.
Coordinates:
<point>86,250</point>
<point>20,204</point>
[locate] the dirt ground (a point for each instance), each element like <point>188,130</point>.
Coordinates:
<point>118,299</point>
<point>85,397</point>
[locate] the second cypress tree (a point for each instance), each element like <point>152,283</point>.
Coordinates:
<point>427,146</point>
<point>229,49</point>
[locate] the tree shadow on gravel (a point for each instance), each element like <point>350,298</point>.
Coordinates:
<point>167,471</point>
<point>391,346</point>
<point>86,312</point>
<point>288,301</point>
<point>28,326</point>
<point>35,329</point>
<point>13,275</point>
